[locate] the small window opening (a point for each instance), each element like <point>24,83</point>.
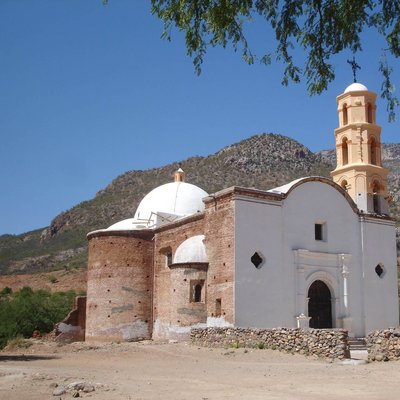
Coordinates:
<point>167,253</point>
<point>319,231</point>
<point>218,307</point>
<point>196,291</point>
<point>168,258</point>
<point>257,260</point>
<point>379,270</point>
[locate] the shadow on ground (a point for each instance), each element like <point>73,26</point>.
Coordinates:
<point>23,357</point>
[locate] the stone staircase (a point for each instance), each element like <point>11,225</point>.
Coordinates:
<point>358,348</point>
<point>358,344</point>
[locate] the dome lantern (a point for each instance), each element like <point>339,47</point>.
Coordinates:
<point>179,175</point>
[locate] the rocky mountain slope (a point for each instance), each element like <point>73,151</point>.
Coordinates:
<point>262,161</point>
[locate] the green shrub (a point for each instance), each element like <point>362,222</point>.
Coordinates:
<point>26,311</point>
<point>5,292</point>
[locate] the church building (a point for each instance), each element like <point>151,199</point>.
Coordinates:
<point>316,252</point>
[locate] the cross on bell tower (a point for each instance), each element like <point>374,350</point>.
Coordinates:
<point>354,67</point>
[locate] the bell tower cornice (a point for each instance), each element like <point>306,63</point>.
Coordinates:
<point>359,126</point>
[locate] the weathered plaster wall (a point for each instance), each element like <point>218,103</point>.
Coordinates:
<point>119,286</point>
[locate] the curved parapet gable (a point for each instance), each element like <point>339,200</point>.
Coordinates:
<point>293,185</point>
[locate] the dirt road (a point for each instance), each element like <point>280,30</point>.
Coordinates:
<point>133,371</point>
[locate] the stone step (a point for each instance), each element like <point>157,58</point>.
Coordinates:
<point>357,344</point>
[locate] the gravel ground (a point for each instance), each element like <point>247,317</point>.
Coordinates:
<point>150,370</point>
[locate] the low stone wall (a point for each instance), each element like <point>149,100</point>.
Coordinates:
<point>384,345</point>
<point>324,343</point>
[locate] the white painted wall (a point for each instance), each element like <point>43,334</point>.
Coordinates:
<point>259,293</point>
<point>283,232</point>
<point>312,202</point>
<point>380,293</point>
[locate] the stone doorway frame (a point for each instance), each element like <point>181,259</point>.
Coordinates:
<point>330,268</point>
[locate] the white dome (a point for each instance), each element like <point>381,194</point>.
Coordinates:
<point>126,225</point>
<point>164,204</point>
<point>355,87</point>
<point>177,199</point>
<point>192,250</point>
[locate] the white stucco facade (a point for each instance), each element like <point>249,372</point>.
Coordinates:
<point>282,232</point>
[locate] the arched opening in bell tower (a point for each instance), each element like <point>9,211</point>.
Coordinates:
<point>345,116</point>
<point>375,196</point>
<point>372,151</point>
<point>345,151</point>
<point>369,113</point>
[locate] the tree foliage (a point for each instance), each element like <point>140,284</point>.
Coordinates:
<point>25,311</point>
<point>321,28</point>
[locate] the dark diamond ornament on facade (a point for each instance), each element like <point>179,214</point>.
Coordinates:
<point>256,259</point>
<point>379,270</point>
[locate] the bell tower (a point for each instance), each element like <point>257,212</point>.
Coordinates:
<point>358,151</point>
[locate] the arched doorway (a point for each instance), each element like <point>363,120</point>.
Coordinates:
<point>319,306</point>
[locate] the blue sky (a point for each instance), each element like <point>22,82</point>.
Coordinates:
<point>88,92</point>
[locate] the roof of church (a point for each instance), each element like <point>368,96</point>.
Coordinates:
<point>285,188</point>
<point>164,204</point>
<point>281,192</point>
<point>126,224</point>
<point>176,198</point>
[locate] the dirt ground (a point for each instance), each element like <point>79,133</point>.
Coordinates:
<point>133,371</point>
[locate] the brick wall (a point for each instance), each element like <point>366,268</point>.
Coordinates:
<point>219,242</point>
<point>185,311</point>
<point>167,239</point>
<point>72,328</point>
<point>119,286</point>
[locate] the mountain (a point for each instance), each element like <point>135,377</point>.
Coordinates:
<point>262,161</point>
